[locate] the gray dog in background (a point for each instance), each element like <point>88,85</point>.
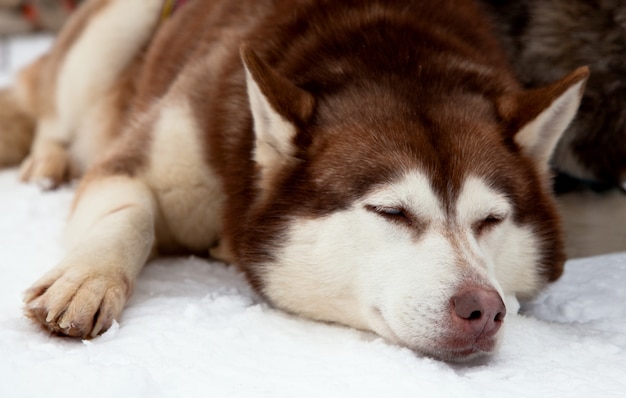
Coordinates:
<point>546,39</point>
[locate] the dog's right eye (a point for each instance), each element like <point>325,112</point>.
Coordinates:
<point>395,213</point>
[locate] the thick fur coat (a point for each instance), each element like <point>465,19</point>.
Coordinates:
<point>372,163</point>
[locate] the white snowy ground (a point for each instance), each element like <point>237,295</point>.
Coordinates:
<point>194,329</point>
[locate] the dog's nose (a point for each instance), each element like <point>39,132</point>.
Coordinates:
<point>481,311</point>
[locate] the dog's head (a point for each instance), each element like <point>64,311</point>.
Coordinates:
<point>414,223</point>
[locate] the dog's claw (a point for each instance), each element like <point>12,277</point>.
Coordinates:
<point>76,304</point>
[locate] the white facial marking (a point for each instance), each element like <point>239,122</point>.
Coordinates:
<point>413,193</point>
<point>477,201</point>
<point>357,267</point>
<point>345,266</point>
<point>509,251</point>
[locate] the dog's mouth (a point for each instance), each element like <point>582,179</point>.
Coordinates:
<point>452,348</point>
<point>458,351</point>
<point>463,351</point>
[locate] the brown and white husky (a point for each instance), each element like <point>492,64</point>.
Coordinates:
<point>372,163</point>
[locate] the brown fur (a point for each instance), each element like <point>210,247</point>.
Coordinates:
<point>372,89</point>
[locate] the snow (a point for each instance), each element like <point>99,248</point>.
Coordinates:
<point>194,328</point>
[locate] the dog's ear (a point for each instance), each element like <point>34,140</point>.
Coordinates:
<point>278,108</point>
<point>539,117</point>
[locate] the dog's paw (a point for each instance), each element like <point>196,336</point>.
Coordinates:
<point>77,302</point>
<point>48,167</point>
<point>16,129</point>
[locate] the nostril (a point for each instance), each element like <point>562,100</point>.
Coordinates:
<point>475,315</point>
<point>499,317</point>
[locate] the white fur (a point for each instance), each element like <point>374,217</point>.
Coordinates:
<point>509,248</point>
<point>89,70</point>
<point>414,193</point>
<point>336,268</point>
<point>109,42</point>
<point>110,236</point>
<point>274,134</point>
<point>360,269</point>
<point>115,212</point>
<point>540,136</point>
<point>188,193</point>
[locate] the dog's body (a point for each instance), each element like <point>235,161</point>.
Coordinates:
<point>371,163</point>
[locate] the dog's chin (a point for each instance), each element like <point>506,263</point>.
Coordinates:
<point>461,355</point>
<point>456,349</point>
<point>462,350</point>
<point>455,352</point>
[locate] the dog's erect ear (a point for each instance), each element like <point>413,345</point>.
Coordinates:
<point>278,108</point>
<point>539,117</point>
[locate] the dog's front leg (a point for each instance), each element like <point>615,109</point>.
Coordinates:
<point>110,236</point>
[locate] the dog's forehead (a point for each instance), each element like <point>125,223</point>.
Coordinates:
<point>446,152</point>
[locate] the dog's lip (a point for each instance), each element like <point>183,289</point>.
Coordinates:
<point>467,351</point>
<point>456,354</point>
<point>462,350</point>
<point>452,349</point>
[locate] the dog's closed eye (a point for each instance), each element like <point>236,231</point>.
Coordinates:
<point>390,212</point>
<point>488,223</point>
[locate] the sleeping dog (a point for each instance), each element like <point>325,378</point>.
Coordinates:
<point>371,163</point>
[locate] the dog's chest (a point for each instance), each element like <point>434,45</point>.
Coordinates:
<point>188,194</point>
